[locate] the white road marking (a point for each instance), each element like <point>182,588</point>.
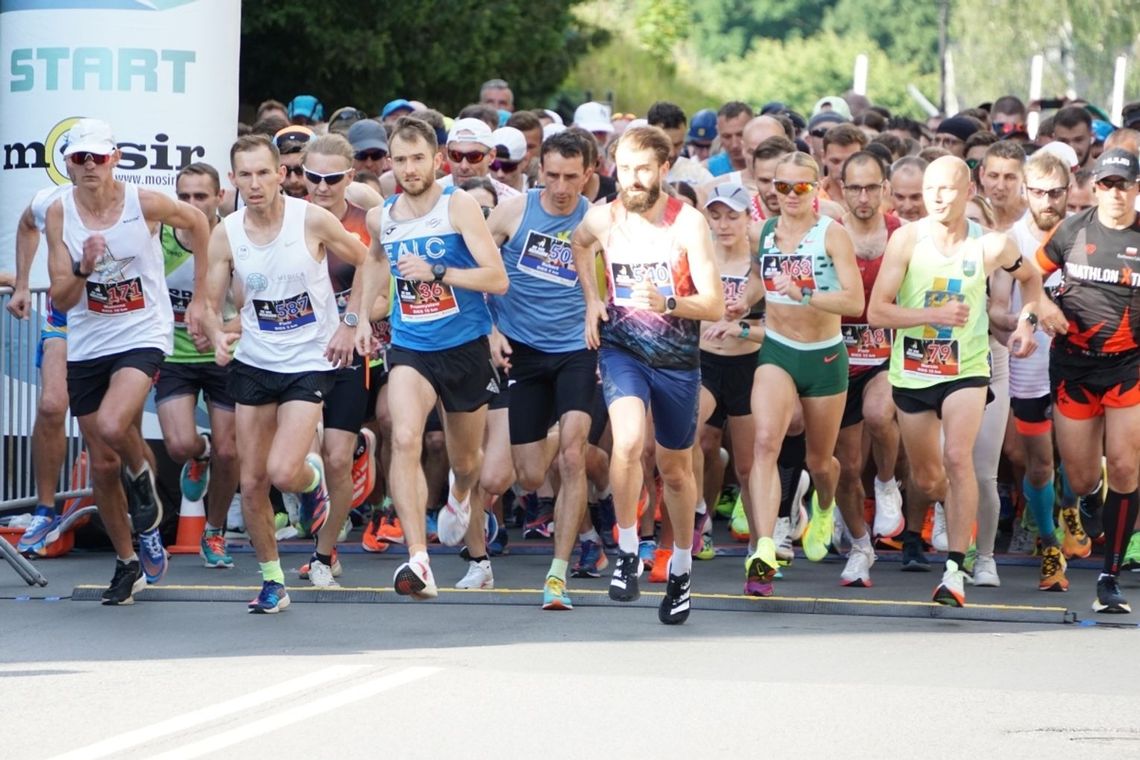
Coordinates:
<point>208,714</point>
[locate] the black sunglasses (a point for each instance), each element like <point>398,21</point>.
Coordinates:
<point>371,154</point>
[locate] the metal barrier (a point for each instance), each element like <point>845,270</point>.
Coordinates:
<point>19,394</point>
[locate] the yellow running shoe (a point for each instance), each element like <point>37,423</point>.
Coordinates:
<point>819,530</point>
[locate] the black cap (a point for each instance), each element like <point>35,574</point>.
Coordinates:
<point>1117,163</point>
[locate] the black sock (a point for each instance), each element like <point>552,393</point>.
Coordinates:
<point>958,558</point>
<point>793,452</point>
<point>909,536</point>
<point>1119,517</point>
<point>471,558</point>
<point>324,559</point>
<point>789,464</point>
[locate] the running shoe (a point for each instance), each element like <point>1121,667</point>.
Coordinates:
<point>454,517</point>
<point>554,595</point>
<point>1109,600</point>
<point>819,530</point>
<point>431,525</point>
<point>195,478</point>
<point>479,575</point>
<point>272,599</point>
<point>840,537</point>
<point>414,579</point>
<point>213,550</point>
<point>658,573</point>
<point>738,523</point>
<point>1091,508</point>
<point>152,556</point>
<point>605,521</point>
<point>1074,541</point>
<point>889,520</point>
<point>540,521</point>
<point>35,537</point>
<point>799,512</point>
<point>913,560</point>
<point>142,501</point>
<point>499,545</point>
<point>390,531</point>
<point>363,466</point>
<point>939,540</point>
<point>1053,570</point>
<point>315,503</point>
<point>727,502</point>
<point>335,568</point>
<point>857,572</point>
<point>646,552</point>
<point>490,526</point>
<point>703,547</point>
<point>985,572</point>
<point>127,581</point>
<point>592,560</point>
<point>1024,539</point>
<point>1131,559</point>
<point>320,574</point>
<point>371,541</point>
<point>760,569</point>
<point>674,608</point>
<point>951,592</point>
<point>283,529</point>
<point>782,537</point>
<point>623,584</point>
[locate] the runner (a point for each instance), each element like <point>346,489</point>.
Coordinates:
<point>1094,358</point>
<point>107,275</point>
<point>730,122</point>
<point>443,258</point>
<point>906,188</point>
<point>939,372</point>
<point>274,249</point>
<point>661,281</point>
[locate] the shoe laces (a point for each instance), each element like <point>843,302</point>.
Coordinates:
<point>555,586</point>
<point>1051,564</point>
<point>1073,523</point>
<point>216,544</point>
<point>151,542</point>
<point>198,468</point>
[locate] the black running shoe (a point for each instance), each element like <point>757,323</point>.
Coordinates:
<point>143,502</point>
<point>623,584</point>
<point>1092,507</point>
<point>605,522</point>
<point>127,581</point>
<point>913,560</point>
<point>1108,597</point>
<point>674,608</point>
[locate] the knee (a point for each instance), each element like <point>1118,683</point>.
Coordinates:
<point>930,481</point>
<point>850,466</point>
<point>818,463</point>
<point>496,480</point>
<point>466,463</point>
<point>1122,472</point>
<point>52,407</point>
<point>627,450</point>
<point>339,459</point>
<point>253,484</point>
<point>676,473</point>
<point>880,419</point>
<point>105,464</point>
<point>282,473</point>
<point>182,449</point>
<point>406,443</point>
<point>224,450</point>
<point>115,432</point>
<point>571,461</point>
<point>958,460</point>
<point>767,445</point>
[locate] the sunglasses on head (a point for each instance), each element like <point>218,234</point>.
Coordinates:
<point>1054,193</point>
<point>291,143</point>
<point>800,188</point>
<point>372,154</point>
<point>499,165</point>
<point>295,170</point>
<point>349,115</point>
<point>1114,183</point>
<point>471,156</point>
<point>79,159</point>
<point>329,179</point>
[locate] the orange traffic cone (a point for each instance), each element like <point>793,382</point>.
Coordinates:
<point>191,525</point>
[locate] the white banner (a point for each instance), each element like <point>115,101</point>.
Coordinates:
<point>162,73</point>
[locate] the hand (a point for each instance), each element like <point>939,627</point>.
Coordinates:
<point>341,345</point>
<point>19,305</point>
<point>364,339</point>
<point>195,313</point>
<point>201,341</point>
<point>1021,342</point>
<point>720,330</point>
<point>595,311</point>
<point>414,268</point>
<point>787,287</point>
<point>1051,319</point>
<point>94,248</point>
<point>500,350</point>
<point>736,310</point>
<point>223,347</point>
<point>646,296</point>
<point>950,314</point>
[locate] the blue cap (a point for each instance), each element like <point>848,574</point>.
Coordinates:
<point>307,106</point>
<point>1101,130</point>
<point>503,116</point>
<point>395,105</point>
<point>703,127</point>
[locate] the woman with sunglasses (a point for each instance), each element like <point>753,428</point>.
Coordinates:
<point>806,272</point>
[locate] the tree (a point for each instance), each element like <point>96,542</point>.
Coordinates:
<point>726,28</point>
<point>367,52</point>
<point>906,31</point>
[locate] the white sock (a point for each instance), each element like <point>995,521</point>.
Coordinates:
<point>702,508</point>
<point>590,535</point>
<point>205,454</point>
<point>605,493</point>
<point>627,539</point>
<point>883,484</point>
<point>681,561</point>
<point>862,543</point>
<point>133,558</point>
<point>420,557</point>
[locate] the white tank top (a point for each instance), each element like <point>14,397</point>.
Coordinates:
<point>124,304</point>
<point>289,312</point>
<point>1028,377</point>
<point>43,200</point>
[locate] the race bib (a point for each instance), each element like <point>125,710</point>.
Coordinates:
<point>425,301</point>
<point>114,298</point>
<point>626,276</point>
<point>930,358</point>
<point>867,346</point>
<point>548,258</point>
<point>733,287</point>
<point>285,315</point>
<point>798,266</point>
<point>180,302</point>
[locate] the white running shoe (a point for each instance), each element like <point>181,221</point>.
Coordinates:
<point>938,538</point>
<point>453,518</point>
<point>415,579</point>
<point>840,536</point>
<point>479,575</point>
<point>985,572</point>
<point>858,569</point>
<point>799,516</point>
<point>889,520</point>
<point>321,575</point>
<point>782,537</point>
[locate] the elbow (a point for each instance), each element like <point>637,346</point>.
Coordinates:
<point>502,282</point>
<point>874,315</point>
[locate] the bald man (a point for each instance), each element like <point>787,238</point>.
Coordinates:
<point>931,291</point>
<point>756,131</point>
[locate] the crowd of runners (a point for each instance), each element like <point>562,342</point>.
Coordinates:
<point>832,328</point>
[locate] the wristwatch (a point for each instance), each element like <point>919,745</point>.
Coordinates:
<point>1031,318</point>
<point>438,271</point>
<point>350,319</point>
<point>745,328</point>
<point>805,297</point>
<point>75,270</point>
<point>670,304</point>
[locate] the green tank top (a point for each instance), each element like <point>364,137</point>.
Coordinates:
<point>927,355</point>
<point>179,268</point>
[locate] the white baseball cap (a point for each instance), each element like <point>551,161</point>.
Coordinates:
<point>731,194</point>
<point>552,129</point>
<point>471,130</point>
<point>512,140</point>
<point>1064,152</point>
<point>594,117</point>
<point>90,136</point>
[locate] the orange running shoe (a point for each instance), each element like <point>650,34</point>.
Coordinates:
<point>642,505</point>
<point>1053,570</point>
<point>363,467</point>
<point>660,571</point>
<point>390,530</point>
<point>1075,542</point>
<point>371,541</point>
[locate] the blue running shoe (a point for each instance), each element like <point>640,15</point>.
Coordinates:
<point>36,535</point>
<point>431,522</point>
<point>272,599</point>
<point>196,474</point>
<point>152,555</point>
<point>315,503</point>
<point>646,548</point>
<point>498,545</point>
<point>592,560</point>
<point>490,527</point>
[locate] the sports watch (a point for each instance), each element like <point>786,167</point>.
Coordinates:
<point>438,271</point>
<point>350,319</point>
<point>805,297</point>
<point>670,304</point>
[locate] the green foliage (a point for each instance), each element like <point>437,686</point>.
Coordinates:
<point>366,52</point>
<point>725,28</point>
<point>906,31</point>
<point>661,25</point>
